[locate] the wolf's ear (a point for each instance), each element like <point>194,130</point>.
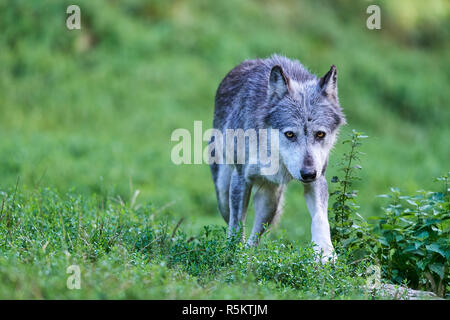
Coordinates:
<point>328,84</point>
<point>278,82</point>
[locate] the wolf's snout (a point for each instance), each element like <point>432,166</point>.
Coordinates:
<point>308,174</point>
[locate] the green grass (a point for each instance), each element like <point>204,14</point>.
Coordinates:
<point>94,109</point>
<point>135,253</point>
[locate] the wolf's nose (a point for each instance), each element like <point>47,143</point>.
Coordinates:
<point>308,175</point>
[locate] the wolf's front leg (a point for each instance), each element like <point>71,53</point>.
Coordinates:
<point>240,191</point>
<point>316,195</point>
<point>267,202</point>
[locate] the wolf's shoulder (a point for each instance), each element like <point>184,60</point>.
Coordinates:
<point>235,80</point>
<point>239,74</point>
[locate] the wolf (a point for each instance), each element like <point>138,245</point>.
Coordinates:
<point>280,94</point>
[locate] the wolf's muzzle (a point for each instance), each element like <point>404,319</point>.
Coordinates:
<point>308,175</point>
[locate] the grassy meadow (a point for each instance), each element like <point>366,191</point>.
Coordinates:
<point>86,118</point>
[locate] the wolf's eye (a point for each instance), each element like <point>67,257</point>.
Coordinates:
<point>289,134</point>
<point>320,134</point>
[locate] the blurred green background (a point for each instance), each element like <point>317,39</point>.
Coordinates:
<point>94,109</point>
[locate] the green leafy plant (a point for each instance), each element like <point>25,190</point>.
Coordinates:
<point>410,240</point>
<point>349,230</point>
<point>414,238</point>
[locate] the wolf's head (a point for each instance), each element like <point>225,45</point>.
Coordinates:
<point>308,115</point>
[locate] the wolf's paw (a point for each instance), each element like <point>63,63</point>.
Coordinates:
<point>329,258</point>
<point>325,256</point>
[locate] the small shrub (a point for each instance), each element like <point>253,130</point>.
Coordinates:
<point>414,238</point>
<point>349,230</point>
<point>410,240</point>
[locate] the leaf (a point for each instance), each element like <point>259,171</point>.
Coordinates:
<point>412,203</point>
<point>387,227</point>
<point>421,265</point>
<point>406,221</point>
<point>426,207</point>
<point>360,216</point>
<point>436,248</point>
<point>419,252</point>
<point>438,268</point>
<point>335,179</point>
<point>423,235</point>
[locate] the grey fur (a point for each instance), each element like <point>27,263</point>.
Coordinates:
<point>282,94</point>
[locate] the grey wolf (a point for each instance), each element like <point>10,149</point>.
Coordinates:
<point>278,93</point>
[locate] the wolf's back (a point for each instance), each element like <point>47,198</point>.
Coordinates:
<point>229,89</point>
<point>244,89</point>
